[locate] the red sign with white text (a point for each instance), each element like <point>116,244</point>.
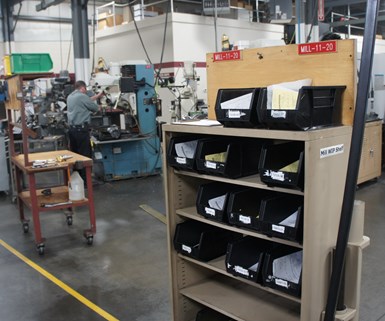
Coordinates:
<point>227,55</point>
<point>317,47</point>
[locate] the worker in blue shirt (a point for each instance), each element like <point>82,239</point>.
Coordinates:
<point>79,109</point>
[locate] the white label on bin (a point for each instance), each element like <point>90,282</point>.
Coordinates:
<point>210,165</point>
<point>186,248</point>
<point>278,228</point>
<point>278,176</point>
<point>331,151</point>
<point>98,155</point>
<point>278,114</point>
<point>282,283</point>
<point>235,114</point>
<point>181,160</point>
<point>245,219</point>
<point>241,270</point>
<point>210,211</point>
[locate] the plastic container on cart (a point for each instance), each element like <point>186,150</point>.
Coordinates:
<point>76,187</point>
<point>202,241</point>
<point>229,157</point>
<point>237,107</point>
<point>181,151</point>
<point>282,269</point>
<point>244,207</point>
<point>283,165</point>
<point>212,200</point>
<point>208,314</point>
<point>316,106</point>
<point>30,63</point>
<point>282,216</point>
<point>244,257</point>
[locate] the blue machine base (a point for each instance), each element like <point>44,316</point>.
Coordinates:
<point>127,159</point>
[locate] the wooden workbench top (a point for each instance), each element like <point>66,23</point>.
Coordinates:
<point>18,160</point>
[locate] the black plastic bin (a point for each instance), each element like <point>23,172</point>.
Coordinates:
<point>274,159</point>
<point>180,162</point>
<point>242,156</point>
<point>276,213</point>
<point>282,269</point>
<point>208,314</point>
<point>202,241</point>
<point>233,111</point>
<point>245,257</point>
<point>316,106</point>
<point>244,207</point>
<point>210,192</point>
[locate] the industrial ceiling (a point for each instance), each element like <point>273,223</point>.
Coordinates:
<point>344,16</point>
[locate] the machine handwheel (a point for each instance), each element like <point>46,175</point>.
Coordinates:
<point>69,220</point>
<point>40,249</point>
<point>90,240</point>
<point>25,227</point>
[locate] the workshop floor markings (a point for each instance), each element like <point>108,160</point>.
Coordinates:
<point>59,283</point>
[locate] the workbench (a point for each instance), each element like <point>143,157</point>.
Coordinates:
<point>37,202</point>
<point>45,199</point>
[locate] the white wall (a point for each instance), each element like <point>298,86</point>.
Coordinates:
<point>189,38</point>
<point>47,37</point>
<point>122,42</point>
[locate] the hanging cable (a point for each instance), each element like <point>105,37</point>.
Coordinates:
<point>17,18</point>
<point>315,10</point>
<point>60,39</point>
<point>93,36</point>
<point>139,35</point>
<point>69,51</point>
<point>164,41</point>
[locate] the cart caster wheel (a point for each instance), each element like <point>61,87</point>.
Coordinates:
<point>40,249</point>
<point>25,227</point>
<point>69,220</point>
<point>90,240</point>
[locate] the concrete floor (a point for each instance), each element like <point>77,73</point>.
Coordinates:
<point>125,272</point>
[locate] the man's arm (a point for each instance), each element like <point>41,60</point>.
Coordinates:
<point>95,97</point>
<point>89,103</point>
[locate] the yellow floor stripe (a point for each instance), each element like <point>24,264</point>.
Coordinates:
<point>153,213</point>
<point>59,283</point>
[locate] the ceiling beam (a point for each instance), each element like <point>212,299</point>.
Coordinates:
<point>14,2</point>
<point>44,4</point>
<point>341,3</point>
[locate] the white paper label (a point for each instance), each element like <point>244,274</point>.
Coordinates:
<point>211,165</point>
<point>245,219</point>
<point>241,270</point>
<point>278,176</point>
<point>186,248</point>
<point>241,102</point>
<point>210,211</point>
<point>281,283</point>
<point>331,151</point>
<point>234,114</point>
<point>278,114</point>
<point>279,229</point>
<point>181,160</point>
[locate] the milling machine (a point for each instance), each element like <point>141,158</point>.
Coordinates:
<point>126,135</point>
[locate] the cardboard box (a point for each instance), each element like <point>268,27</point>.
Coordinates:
<point>249,7</point>
<point>109,21</point>
<point>155,9</point>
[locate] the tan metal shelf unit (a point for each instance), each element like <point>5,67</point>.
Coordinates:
<point>196,284</point>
